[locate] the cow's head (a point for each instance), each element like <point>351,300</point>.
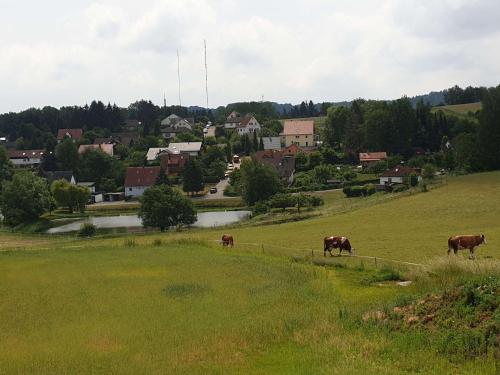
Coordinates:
<point>483,239</point>
<point>352,252</point>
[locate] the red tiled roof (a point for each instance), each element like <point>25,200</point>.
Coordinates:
<point>141,176</point>
<point>18,154</point>
<point>298,127</point>
<point>372,156</point>
<point>73,133</point>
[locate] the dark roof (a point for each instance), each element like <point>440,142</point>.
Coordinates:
<point>398,172</point>
<point>72,133</point>
<point>141,176</point>
<point>52,176</point>
<point>19,154</point>
<point>284,164</point>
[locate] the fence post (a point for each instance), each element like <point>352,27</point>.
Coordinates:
<point>262,246</point>
<point>312,253</point>
<point>376,262</point>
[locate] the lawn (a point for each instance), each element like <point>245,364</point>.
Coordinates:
<point>136,304</point>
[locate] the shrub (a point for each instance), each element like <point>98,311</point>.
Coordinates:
<point>359,191</point>
<point>87,230</point>
<point>399,188</point>
<point>260,208</point>
<point>316,201</point>
<point>157,242</point>
<point>370,189</point>
<point>428,171</point>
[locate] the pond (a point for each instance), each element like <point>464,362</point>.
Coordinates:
<point>205,220</point>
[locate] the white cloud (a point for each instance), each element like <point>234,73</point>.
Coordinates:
<point>120,51</point>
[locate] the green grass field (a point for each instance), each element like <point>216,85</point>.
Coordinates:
<point>185,305</point>
<point>460,110</point>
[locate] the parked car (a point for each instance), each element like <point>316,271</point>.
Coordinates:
<point>213,190</point>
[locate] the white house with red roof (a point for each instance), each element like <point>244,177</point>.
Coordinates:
<point>139,179</point>
<point>298,132</point>
<point>243,125</point>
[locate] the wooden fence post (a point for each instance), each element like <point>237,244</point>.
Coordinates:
<point>376,262</point>
<point>262,245</point>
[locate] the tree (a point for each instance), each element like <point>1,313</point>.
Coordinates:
<point>489,129</point>
<point>67,155</point>
<point>24,199</point>
<point>282,200</point>
<point>428,171</point>
<point>162,178</point>
<point>192,176</point>
<point>261,144</point>
<point>258,181</point>
<point>69,195</point>
<point>164,207</point>
<point>255,142</point>
<point>6,167</point>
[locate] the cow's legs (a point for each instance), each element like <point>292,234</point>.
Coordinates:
<point>472,256</point>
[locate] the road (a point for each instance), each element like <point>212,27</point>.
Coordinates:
<point>221,185</point>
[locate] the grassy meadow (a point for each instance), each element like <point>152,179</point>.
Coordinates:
<point>179,303</point>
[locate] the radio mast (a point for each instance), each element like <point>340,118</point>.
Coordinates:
<point>179,77</point>
<point>206,72</point>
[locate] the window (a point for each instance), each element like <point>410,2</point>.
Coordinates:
<point>129,189</point>
<point>296,137</point>
<point>307,144</point>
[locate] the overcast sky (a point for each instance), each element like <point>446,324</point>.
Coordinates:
<point>60,52</point>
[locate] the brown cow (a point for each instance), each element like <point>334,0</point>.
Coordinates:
<point>334,242</point>
<point>227,240</point>
<point>456,243</point>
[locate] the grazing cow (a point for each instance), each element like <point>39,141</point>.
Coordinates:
<point>456,243</point>
<point>341,243</point>
<point>227,240</point>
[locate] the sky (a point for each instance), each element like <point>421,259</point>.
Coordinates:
<point>59,52</point>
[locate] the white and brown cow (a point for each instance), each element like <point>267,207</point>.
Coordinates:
<point>227,240</point>
<point>470,242</point>
<point>337,242</point>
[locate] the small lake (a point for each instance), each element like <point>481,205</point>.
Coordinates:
<point>205,220</point>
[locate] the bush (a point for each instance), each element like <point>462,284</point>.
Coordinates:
<point>129,242</point>
<point>260,208</point>
<point>428,171</point>
<point>359,191</point>
<point>370,189</point>
<point>316,201</point>
<point>399,188</point>
<point>87,230</point>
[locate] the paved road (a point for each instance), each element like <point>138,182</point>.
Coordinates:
<point>220,191</point>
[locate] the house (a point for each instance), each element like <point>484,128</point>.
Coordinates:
<point>95,197</point>
<point>271,143</point>
<point>209,131</point>
<point>369,158</point>
<point>398,175</point>
<point>107,148</point>
<point>154,152</point>
<point>25,158</point>
<point>248,125</point>
<point>52,176</point>
<point>293,149</point>
<point>128,139</point>
<point>138,179</point>
<point>75,134</point>
<point>132,125</point>
<point>88,185</point>
<point>173,125</point>
<point>191,148</point>
<point>173,163</point>
<point>300,133</point>
<point>284,164</point>
<point>244,125</point>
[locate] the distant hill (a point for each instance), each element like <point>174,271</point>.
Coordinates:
<point>460,110</point>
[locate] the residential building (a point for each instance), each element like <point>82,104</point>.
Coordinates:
<point>284,164</point>
<point>300,133</point>
<point>132,125</point>
<point>369,158</point>
<point>209,132</point>
<point>173,163</point>
<point>107,148</point>
<point>139,179</point>
<point>25,158</point>
<point>398,175</point>
<point>75,134</point>
<point>244,125</point>
<point>272,143</point>
<point>191,148</point>
<point>88,185</point>
<point>154,152</point>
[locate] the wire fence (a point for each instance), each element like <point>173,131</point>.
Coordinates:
<point>317,257</point>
